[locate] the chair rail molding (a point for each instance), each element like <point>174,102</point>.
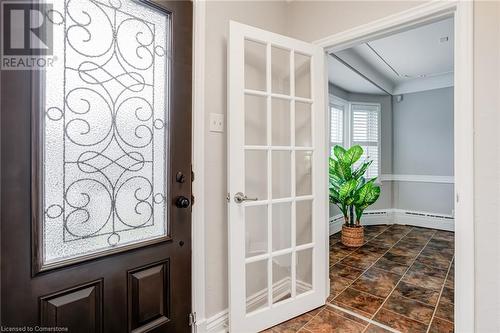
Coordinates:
<point>417,178</point>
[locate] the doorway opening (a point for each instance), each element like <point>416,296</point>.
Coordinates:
<point>393,97</point>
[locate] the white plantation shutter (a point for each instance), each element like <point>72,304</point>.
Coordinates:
<point>336,125</point>
<point>365,125</point>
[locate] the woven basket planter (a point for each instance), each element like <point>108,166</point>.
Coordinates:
<point>352,236</point>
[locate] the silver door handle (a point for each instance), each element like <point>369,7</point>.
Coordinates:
<point>240,197</point>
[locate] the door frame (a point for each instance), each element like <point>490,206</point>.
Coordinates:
<point>462,11</point>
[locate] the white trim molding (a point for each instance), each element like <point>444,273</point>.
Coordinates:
<point>417,178</point>
<point>218,323</point>
<point>198,151</point>
<point>399,216</point>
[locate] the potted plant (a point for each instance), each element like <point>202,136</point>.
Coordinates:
<point>351,192</point>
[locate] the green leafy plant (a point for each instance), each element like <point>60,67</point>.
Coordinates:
<point>349,190</point>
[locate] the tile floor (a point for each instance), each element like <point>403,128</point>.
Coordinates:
<point>402,277</point>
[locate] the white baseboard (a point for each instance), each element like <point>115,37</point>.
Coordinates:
<point>218,323</point>
<point>399,216</point>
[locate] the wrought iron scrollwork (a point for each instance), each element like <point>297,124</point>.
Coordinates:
<point>109,122</point>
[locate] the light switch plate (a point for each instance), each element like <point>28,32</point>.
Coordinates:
<point>216,122</point>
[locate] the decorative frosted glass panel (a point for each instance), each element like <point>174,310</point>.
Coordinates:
<point>105,129</point>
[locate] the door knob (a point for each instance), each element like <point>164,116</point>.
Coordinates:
<point>182,202</point>
<point>240,197</point>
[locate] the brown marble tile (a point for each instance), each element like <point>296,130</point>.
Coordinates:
<point>389,237</point>
<point>337,284</point>
<point>448,295</point>
<point>359,261</point>
<point>391,266</point>
<point>419,241</point>
<point>450,283</point>
<point>445,311</point>
<point>401,259</point>
<point>374,230</point>
<point>381,242</point>
<point>341,248</point>
<point>344,271</point>
<point>346,307</point>
<point>421,233</point>
<point>335,238</point>
<point>371,250</point>
<point>377,228</point>
<point>409,308</point>
<point>440,244</point>
<point>417,293</point>
<point>376,282</point>
<point>359,300</point>
<point>435,260</point>
<point>315,311</point>
<point>397,250</point>
<point>347,315</point>
<point>376,329</point>
<point>400,228</point>
<point>329,322</point>
<point>425,276</point>
<point>335,257</point>
<point>400,323</point>
<point>444,254</point>
<point>441,326</point>
<point>408,246</point>
<point>444,235</point>
<point>290,326</point>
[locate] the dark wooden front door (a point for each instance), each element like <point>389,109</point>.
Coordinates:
<point>96,173</point>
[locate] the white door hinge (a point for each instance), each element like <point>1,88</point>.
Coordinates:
<point>192,318</point>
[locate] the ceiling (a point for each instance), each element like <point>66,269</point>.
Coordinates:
<point>350,80</point>
<point>413,60</point>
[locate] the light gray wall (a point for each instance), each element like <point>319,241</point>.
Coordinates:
<point>423,133</point>
<point>423,145</point>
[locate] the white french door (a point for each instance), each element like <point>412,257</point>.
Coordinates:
<point>277,179</point>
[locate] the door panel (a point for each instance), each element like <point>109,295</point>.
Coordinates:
<point>88,273</point>
<point>277,168</point>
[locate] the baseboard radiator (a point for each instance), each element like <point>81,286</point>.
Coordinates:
<point>399,216</point>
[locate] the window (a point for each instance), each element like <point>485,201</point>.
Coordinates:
<point>353,123</point>
<point>105,130</point>
<point>338,109</point>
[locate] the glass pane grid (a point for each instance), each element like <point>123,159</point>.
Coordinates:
<point>288,129</point>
